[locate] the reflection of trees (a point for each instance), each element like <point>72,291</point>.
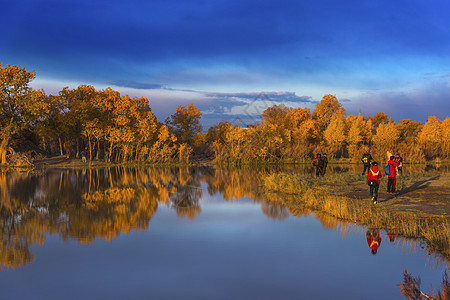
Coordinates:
<point>274,210</point>
<point>89,204</point>
<point>16,235</point>
<point>234,184</point>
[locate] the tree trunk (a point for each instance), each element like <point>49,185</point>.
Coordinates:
<point>98,150</point>
<point>78,148</point>
<point>110,152</point>
<point>4,149</point>
<point>6,135</point>
<point>60,146</point>
<point>90,148</point>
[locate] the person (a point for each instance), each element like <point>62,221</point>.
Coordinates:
<point>318,163</point>
<point>391,178</point>
<point>399,160</point>
<point>325,163</point>
<point>83,156</point>
<point>373,240</point>
<point>373,181</point>
<point>366,160</point>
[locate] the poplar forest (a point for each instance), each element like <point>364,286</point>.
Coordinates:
<point>118,128</point>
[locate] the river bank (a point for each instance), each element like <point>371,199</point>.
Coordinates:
<point>421,209</point>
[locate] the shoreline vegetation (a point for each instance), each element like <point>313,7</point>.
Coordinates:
<point>330,195</point>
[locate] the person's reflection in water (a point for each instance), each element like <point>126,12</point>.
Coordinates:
<point>373,239</point>
<point>391,235</point>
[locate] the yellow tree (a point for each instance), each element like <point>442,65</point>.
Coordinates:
<point>445,146</point>
<point>164,148</point>
<point>276,114</point>
<point>359,135</point>
<point>20,106</point>
<point>386,138</point>
<point>377,119</point>
<point>430,137</point>
<point>334,135</point>
<point>81,107</point>
<point>185,123</point>
<point>325,109</point>
<point>53,123</point>
<point>147,127</point>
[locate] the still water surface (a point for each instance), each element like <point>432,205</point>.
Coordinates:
<point>189,233</point>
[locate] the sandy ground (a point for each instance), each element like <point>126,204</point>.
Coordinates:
<point>428,197</point>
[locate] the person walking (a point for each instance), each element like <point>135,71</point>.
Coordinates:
<point>83,156</point>
<point>325,163</point>
<point>392,176</point>
<point>373,181</point>
<point>318,163</point>
<point>366,160</point>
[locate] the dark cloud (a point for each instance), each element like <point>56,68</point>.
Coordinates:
<point>136,85</point>
<point>267,96</point>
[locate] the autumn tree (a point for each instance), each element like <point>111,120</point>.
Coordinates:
<point>430,138</point>
<point>185,123</point>
<point>20,105</point>
<point>81,109</point>
<point>377,119</point>
<point>386,138</point>
<point>325,109</point>
<point>334,135</point>
<point>276,114</point>
<point>53,124</point>
<point>359,135</point>
<point>445,145</point>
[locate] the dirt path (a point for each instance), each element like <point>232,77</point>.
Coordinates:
<point>428,197</point>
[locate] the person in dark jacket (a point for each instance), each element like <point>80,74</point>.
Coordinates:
<point>399,160</point>
<point>366,160</point>
<point>318,163</point>
<point>325,163</point>
<point>373,181</point>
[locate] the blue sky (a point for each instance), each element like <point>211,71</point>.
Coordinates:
<point>233,59</point>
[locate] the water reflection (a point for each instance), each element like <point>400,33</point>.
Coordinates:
<point>89,204</point>
<point>373,239</point>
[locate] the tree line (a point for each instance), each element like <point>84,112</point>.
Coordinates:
<point>120,128</point>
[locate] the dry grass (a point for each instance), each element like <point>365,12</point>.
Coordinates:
<point>318,195</point>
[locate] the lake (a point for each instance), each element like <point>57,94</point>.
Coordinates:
<point>188,233</point>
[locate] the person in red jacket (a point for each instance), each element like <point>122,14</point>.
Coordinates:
<point>391,178</point>
<point>373,181</point>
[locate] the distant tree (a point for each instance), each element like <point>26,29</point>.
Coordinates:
<point>387,136</point>
<point>334,135</point>
<point>445,146</point>
<point>409,130</point>
<point>185,123</point>
<point>325,109</point>
<point>20,105</point>
<point>377,119</point>
<point>430,138</point>
<point>276,114</point>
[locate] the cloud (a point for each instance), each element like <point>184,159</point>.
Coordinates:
<point>136,85</point>
<point>415,103</point>
<point>251,104</point>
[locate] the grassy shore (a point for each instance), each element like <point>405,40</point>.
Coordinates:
<point>330,195</point>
